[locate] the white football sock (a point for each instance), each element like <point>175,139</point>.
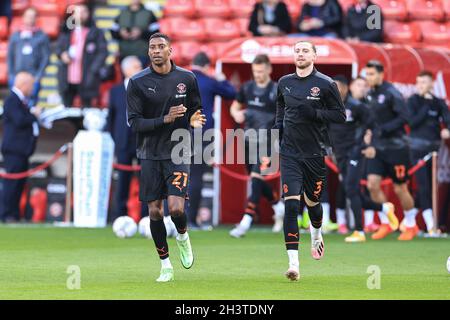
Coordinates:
<point>410,218</point>
<point>165,264</point>
<point>383,217</point>
<point>293,258</point>
<point>351,220</point>
<point>182,237</point>
<point>428,217</point>
<point>315,233</point>
<point>385,208</point>
<point>368,217</point>
<point>246,221</point>
<point>326,213</point>
<point>340,216</point>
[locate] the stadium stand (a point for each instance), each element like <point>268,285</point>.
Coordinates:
<point>425,10</point>
<point>402,32</point>
<point>393,9</point>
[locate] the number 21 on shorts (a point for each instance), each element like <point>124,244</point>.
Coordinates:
<point>177,181</point>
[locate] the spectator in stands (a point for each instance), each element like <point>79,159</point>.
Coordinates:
<point>28,50</point>
<point>270,18</point>
<point>355,26</point>
<point>132,28</point>
<point>209,85</point>
<point>82,50</point>
<point>319,18</point>
<point>5,9</point>
<point>124,139</point>
<point>19,141</point>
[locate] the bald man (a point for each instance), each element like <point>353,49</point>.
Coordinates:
<point>20,131</point>
<point>124,138</point>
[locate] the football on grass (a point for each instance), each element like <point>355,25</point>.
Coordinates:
<point>124,227</point>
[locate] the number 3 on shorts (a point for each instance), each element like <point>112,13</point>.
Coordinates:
<point>400,171</point>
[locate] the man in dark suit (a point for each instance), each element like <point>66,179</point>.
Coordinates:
<point>124,138</point>
<point>20,132</point>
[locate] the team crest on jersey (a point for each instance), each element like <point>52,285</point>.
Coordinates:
<point>315,91</point>
<point>381,98</point>
<point>181,88</point>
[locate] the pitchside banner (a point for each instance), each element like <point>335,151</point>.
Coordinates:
<point>93,153</point>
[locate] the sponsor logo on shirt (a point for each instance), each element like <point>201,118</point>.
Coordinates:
<point>381,98</point>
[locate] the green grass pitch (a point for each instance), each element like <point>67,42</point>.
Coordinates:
<point>34,262</point>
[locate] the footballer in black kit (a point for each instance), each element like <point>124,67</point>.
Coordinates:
<point>307,101</point>
<point>430,124</point>
<point>259,96</point>
<point>161,99</point>
<point>389,155</point>
<point>349,147</point>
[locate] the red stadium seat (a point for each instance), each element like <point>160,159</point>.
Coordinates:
<point>425,10</point>
<point>3,28</point>
<point>401,32</point>
<point>294,8</point>
<point>392,9</point>
<point>435,33</point>
<point>3,73</point>
<point>213,8</point>
<point>3,50</point>
<point>50,25</point>
<point>179,8</point>
<point>176,54</point>
<point>446,6</point>
<point>46,7</point>
<point>221,30</point>
<point>184,29</point>
<point>345,4</point>
<point>188,49</point>
<point>243,23</point>
<point>19,6</point>
<point>241,8</point>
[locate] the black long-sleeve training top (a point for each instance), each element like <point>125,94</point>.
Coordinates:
<point>426,117</point>
<point>349,136</point>
<point>149,98</point>
<point>305,107</point>
<point>390,115</point>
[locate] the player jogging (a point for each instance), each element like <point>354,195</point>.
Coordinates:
<point>390,151</point>
<point>307,101</point>
<point>259,95</point>
<point>161,99</point>
<point>349,146</point>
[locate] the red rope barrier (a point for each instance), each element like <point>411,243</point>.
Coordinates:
<point>243,177</point>
<point>125,167</point>
<point>422,162</point>
<point>29,173</point>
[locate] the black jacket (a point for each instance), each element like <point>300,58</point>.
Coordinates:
<point>330,13</point>
<point>425,120</point>
<point>18,138</point>
<point>305,108</point>
<point>390,114</point>
<point>355,25</point>
<point>282,18</point>
<point>94,56</point>
<point>149,98</point>
<point>348,137</point>
<point>124,138</point>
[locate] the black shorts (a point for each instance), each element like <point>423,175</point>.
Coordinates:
<point>303,176</point>
<point>162,178</point>
<point>393,163</point>
<point>256,163</point>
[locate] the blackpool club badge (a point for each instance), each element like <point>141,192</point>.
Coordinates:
<point>181,88</point>
<point>315,91</point>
